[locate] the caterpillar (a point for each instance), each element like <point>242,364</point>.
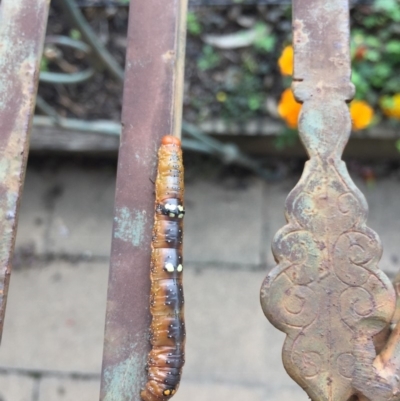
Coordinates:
<point>167,330</point>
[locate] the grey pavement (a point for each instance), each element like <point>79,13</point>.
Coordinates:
<point>53,337</point>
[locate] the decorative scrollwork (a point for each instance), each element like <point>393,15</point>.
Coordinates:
<point>327,292</point>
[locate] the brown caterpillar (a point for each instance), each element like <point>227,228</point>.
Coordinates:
<point>167,337</point>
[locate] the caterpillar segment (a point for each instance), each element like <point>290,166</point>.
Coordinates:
<point>167,330</point>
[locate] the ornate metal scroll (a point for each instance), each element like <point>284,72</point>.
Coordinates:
<point>327,292</point>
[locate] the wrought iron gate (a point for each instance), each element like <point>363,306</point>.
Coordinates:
<point>327,292</point>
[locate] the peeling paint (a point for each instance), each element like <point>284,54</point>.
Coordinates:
<point>300,35</point>
<point>169,56</point>
<point>130,227</point>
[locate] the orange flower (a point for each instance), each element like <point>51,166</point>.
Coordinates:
<point>285,62</point>
<point>360,52</point>
<point>361,113</point>
<point>390,105</point>
<point>289,109</point>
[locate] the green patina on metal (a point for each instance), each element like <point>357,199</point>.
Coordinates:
<point>123,380</point>
<point>130,226</point>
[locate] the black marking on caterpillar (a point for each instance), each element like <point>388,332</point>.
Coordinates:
<point>167,331</point>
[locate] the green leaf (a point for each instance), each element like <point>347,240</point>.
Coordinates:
<point>361,84</point>
<point>75,34</point>
<point>392,85</point>
<point>371,21</point>
<point>372,41</point>
<point>44,64</point>
<point>193,25</point>
<point>265,39</point>
<point>388,6</point>
<point>381,72</point>
<point>255,102</point>
<point>267,43</point>
<point>393,47</point>
<point>209,59</point>
<point>372,55</point>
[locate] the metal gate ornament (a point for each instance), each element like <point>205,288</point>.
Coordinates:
<point>327,292</point>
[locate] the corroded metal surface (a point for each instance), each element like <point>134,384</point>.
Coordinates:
<point>327,292</point>
<point>151,109</point>
<point>22,29</point>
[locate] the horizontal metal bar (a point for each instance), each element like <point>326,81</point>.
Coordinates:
<point>46,139</point>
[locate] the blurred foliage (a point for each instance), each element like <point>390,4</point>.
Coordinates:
<point>226,78</point>
<point>208,59</point>
<point>242,83</point>
<point>44,64</point>
<point>75,34</point>
<point>232,69</point>
<point>288,137</point>
<point>193,24</point>
<point>375,51</point>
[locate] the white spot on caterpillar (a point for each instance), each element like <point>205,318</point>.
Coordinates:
<point>171,215</point>
<point>172,207</point>
<point>179,268</point>
<point>181,215</point>
<point>169,267</point>
<point>180,208</point>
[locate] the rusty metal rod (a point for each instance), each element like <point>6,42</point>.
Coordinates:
<point>22,29</point>
<point>150,110</point>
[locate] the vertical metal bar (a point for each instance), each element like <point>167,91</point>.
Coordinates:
<point>151,109</point>
<point>22,29</point>
<point>327,292</point>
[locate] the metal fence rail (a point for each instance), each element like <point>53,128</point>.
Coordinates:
<point>152,108</point>
<point>22,29</point>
